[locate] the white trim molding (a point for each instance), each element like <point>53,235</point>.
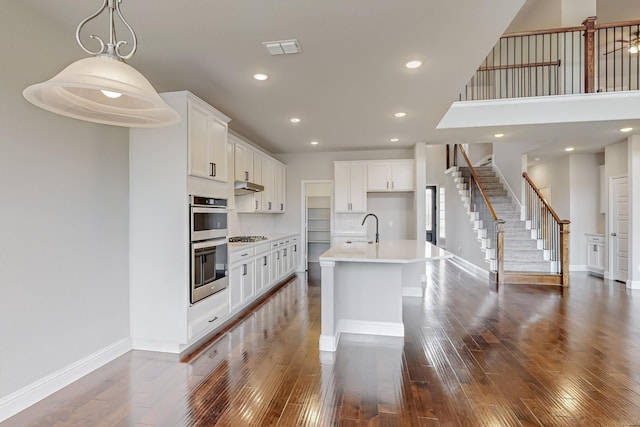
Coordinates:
<point>633,284</point>
<point>27,396</point>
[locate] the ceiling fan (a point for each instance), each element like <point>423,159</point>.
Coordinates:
<point>633,45</point>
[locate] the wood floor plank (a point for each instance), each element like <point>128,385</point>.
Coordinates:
<point>471,356</point>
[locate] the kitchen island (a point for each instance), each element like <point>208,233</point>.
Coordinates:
<point>363,284</point>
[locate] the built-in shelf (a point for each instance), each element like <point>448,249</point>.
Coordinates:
<point>318,226</point>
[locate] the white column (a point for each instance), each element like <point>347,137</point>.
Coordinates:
<point>328,338</point>
<point>421,184</point>
<point>633,147</point>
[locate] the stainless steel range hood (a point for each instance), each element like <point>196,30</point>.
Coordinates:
<point>244,187</point>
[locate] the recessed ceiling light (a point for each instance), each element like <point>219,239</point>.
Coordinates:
<point>314,142</point>
<point>626,129</point>
<point>394,140</point>
<point>537,159</point>
<point>499,135</point>
<point>569,149</point>
<point>413,64</point>
<point>294,120</point>
<point>400,114</point>
<point>260,76</point>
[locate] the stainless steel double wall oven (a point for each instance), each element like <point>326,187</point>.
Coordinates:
<point>209,248</point>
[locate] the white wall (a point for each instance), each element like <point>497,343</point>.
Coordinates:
<point>555,175</point>
<point>64,290</point>
<point>507,158</point>
<point>584,202</point>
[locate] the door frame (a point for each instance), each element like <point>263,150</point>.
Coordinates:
<point>303,216</point>
<point>435,213</point>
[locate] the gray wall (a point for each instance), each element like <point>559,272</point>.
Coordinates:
<point>64,291</point>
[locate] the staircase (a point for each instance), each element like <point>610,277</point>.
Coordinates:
<point>524,259</point>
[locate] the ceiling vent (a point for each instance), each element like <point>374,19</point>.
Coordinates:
<point>283,47</point>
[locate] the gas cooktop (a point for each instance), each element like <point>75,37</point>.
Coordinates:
<point>247,239</point>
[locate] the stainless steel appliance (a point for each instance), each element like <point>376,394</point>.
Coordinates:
<point>209,246</point>
<point>208,219</point>
<point>209,268</point>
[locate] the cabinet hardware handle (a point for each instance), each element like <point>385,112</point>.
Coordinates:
<point>614,234</point>
<point>281,206</point>
<point>285,252</point>
<point>269,206</point>
<point>215,169</point>
<point>392,185</point>
<point>245,254</point>
<point>387,185</point>
<point>256,205</point>
<point>264,261</point>
<point>295,248</point>
<point>278,255</point>
<point>246,175</point>
<point>595,248</point>
<point>244,269</point>
<point>213,320</point>
<point>212,169</point>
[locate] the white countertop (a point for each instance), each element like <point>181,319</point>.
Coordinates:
<point>389,251</point>
<point>270,238</point>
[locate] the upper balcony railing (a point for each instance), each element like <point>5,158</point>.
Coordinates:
<point>584,59</point>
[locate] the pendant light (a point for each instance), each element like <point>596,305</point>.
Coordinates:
<point>103,88</point>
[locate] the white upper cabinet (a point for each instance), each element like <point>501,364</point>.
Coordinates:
<point>243,163</point>
<point>207,140</point>
<point>280,184</point>
<point>390,175</point>
<point>269,182</point>
<point>350,187</point>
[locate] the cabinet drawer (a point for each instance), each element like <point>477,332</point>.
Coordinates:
<point>596,239</point>
<point>207,316</point>
<point>241,255</point>
<point>265,247</point>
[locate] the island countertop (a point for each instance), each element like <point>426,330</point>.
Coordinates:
<point>388,251</point>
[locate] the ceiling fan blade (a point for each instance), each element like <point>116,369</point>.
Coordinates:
<point>612,51</point>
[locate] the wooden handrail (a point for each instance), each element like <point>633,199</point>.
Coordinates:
<point>475,176</point>
<point>617,24</point>
<point>541,32</point>
<point>544,201</point>
<point>513,66</point>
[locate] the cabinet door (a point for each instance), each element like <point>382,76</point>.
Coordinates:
<point>601,261</point>
<point>217,132</point>
<point>198,140</point>
<point>248,281</point>
<point>273,267</point>
<point>262,271</point>
<point>358,188</point>
<point>235,287</point>
<point>592,255</point>
<point>268,180</point>
<point>342,198</point>
<point>378,176</point>
<point>279,188</point>
<point>402,176</point>
<point>243,163</point>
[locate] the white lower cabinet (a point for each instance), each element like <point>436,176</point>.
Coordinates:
<point>596,254</point>
<point>254,269</point>
<point>208,314</point>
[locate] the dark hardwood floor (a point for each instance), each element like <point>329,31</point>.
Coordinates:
<point>471,356</point>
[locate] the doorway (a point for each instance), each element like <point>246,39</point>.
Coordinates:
<point>431,214</point>
<point>317,224</point>
<point>619,228</point>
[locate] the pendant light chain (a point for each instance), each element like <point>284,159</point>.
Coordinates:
<point>112,48</point>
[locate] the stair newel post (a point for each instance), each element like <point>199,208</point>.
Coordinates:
<point>500,251</point>
<point>564,251</point>
<point>589,54</point>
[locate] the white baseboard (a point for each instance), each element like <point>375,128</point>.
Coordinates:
<point>163,347</point>
<point>469,267</point>
<point>633,284</point>
<point>391,329</point>
<point>27,396</point>
<point>329,342</point>
<point>415,291</point>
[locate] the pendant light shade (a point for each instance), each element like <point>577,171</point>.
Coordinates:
<point>103,88</point>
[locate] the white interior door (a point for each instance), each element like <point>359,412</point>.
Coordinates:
<point>619,228</point>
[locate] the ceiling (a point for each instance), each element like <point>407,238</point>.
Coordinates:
<point>346,84</point>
